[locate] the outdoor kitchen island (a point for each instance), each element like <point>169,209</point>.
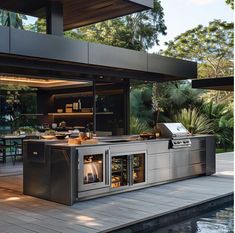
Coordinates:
<point>63,173</point>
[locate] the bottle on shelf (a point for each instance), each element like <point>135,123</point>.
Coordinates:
<point>88,133</point>
<point>75,106</point>
<point>79,105</point>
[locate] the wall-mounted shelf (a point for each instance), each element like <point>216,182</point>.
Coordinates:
<point>78,113</point>
<point>32,114</point>
<point>71,114</point>
<point>104,113</point>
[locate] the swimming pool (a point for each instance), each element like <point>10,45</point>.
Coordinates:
<point>218,221</point>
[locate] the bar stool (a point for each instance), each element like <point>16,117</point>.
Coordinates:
<point>17,147</point>
<point>2,152</point>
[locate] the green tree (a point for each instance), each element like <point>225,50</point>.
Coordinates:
<point>223,120</point>
<point>194,121</point>
<point>138,31</point>
<point>175,96</point>
<point>38,26</point>
<point>141,104</point>
<point>230,3</point>
<point>210,46</point>
<point>12,19</point>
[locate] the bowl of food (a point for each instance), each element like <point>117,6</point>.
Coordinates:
<point>48,137</point>
<point>61,136</point>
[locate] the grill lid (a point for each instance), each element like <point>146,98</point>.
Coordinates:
<point>173,130</point>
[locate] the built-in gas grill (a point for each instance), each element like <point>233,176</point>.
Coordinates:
<point>177,133</point>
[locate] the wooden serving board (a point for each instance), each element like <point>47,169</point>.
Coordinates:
<point>89,142</point>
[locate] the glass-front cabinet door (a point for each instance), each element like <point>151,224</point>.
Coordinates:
<point>128,170</point>
<point>92,168</point>
<point>138,168</point>
<point>120,171</point>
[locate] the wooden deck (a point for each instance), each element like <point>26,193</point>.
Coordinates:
<point>25,214</point>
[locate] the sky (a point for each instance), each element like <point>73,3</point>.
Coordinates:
<point>182,15</point>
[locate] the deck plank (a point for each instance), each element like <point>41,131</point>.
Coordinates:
<point>21,213</point>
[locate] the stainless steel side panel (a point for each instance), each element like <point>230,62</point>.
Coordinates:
<point>197,169</point>
<point>197,156</point>
<point>198,143</point>
<point>210,156</point>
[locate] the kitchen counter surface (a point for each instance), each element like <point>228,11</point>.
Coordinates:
<point>111,140</point>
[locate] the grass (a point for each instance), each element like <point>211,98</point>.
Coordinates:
<point>221,150</point>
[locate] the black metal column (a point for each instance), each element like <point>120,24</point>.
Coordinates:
<point>94,107</point>
<point>126,106</point>
<point>55,22</point>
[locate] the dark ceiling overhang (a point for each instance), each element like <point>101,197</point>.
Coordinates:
<point>39,55</point>
<point>79,13</point>
<point>220,84</point>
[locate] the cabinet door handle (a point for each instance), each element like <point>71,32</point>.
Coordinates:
<point>107,169</point>
<point>78,162</point>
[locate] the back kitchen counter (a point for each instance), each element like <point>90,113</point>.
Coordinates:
<point>56,171</point>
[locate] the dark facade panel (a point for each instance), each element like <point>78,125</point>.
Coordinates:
<point>172,66</point>
<point>147,3</point>
<point>4,40</point>
<point>109,56</point>
<point>48,46</point>
<point>89,59</point>
<point>219,84</point>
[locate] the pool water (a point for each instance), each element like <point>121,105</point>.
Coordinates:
<point>218,221</point>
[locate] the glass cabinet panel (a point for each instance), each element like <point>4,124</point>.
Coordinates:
<point>119,171</point>
<point>93,169</point>
<point>138,168</point>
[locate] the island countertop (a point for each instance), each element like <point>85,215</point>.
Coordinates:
<point>110,140</point>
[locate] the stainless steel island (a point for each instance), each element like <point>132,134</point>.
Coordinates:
<point>65,174</point>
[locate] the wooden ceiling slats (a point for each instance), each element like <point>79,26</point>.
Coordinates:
<point>77,13</point>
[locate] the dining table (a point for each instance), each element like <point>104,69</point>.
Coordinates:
<point>7,141</point>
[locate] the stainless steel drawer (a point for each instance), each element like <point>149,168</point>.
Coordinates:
<point>158,147</point>
<point>127,148</point>
<point>179,158</point>
<point>159,175</point>
<point>158,161</point>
